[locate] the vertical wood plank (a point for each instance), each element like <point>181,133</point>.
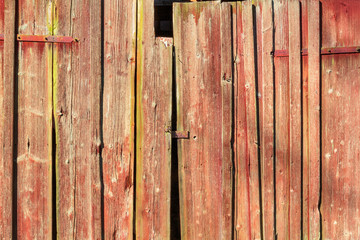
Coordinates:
<point>118,117</point>
<point>251,119</point>
<point>153,121</point>
<point>242,213</point>
<point>200,110</point>
<point>314,118</point>
<point>340,122</point>
<point>266,102</point>
<point>295,155</point>
<point>34,149</point>
<point>227,119</point>
<point>76,93</point>
<point>7,61</point>
<point>282,120</point>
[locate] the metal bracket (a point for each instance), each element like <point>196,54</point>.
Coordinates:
<point>43,38</point>
<point>324,51</point>
<point>180,134</point>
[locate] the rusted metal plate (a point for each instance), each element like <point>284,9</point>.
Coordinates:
<point>7,61</point>
<point>34,124</point>
<point>153,119</point>
<point>340,116</point>
<point>76,108</point>
<point>324,51</point>
<point>45,38</point>
<point>202,78</point>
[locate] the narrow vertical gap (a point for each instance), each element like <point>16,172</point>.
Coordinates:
<point>274,116</point>
<point>320,125</point>
<point>53,175</point>
<point>102,124</point>
<point>175,232</point>
<point>15,126</point>
<point>257,119</point>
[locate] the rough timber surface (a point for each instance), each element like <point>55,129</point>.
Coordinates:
<point>202,77</point>
<point>340,117</point>
<point>7,61</point>
<point>118,117</point>
<point>34,140</point>
<point>153,126</point>
<point>247,199</point>
<point>76,102</point>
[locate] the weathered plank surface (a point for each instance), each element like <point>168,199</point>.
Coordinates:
<point>202,109</point>
<point>118,117</point>
<point>295,155</point>
<point>282,126</point>
<point>314,119</point>
<point>153,121</point>
<point>247,175</point>
<point>76,97</point>
<point>340,116</point>
<point>266,114</point>
<point>34,148</point>
<point>7,61</point>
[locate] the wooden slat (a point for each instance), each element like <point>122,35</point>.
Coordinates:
<point>340,85</point>
<point>282,120</point>
<point>118,117</point>
<point>266,105</point>
<point>295,155</point>
<point>7,61</point>
<point>76,78</point>
<point>153,122</point>
<point>314,119</point>
<point>227,119</point>
<point>198,40</point>
<point>34,148</point>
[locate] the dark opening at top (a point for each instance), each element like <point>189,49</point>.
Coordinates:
<point>163,17</point>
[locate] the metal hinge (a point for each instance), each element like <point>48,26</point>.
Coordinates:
<point>43,38</point>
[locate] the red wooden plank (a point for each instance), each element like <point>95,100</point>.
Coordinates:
<point>266,115</point>
<point>227,119</point>
<point>340,122</point>
<point>118,117</point>
<point>200,110</point>
<point>34,148</point>
<point>314,119</point>
<point>76,96</point>
<point>282,111</point>
<point>7,61</point>
<point>295,155</point>
<point>153,121</point>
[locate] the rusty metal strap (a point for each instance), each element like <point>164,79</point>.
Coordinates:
<point>324,51</point>
<point>43,38</point>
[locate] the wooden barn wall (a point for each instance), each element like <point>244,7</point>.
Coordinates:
<point>265,106</point>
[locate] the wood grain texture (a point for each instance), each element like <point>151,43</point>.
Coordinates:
<point>202,109</point>
<point>118,117</point>
<point>282,126</point>
<point>295,135</point>
<point>76,100</point>
<point>247,175</point>
<point>314,119</point>
<point>34,148</point>
<point>7,76</point>
<point>266,115</point>
<point>153,121</point>
<point>340,85</point>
